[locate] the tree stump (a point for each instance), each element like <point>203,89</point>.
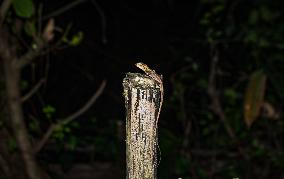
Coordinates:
<point>142,100</point>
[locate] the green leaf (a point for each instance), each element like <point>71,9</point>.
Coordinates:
<point>12,144</point>
<point>218,8</point>
<point>24,84</point>
<point>182,164</point>
<point>76,39</point>
<point>253,17</point>
<point>195,66</point>
<point>72,143</point>
<point>34,126</point>
<point>202,83</point>
<point>267,14</point>
<point>230,93</point>
<point>251,37</point>
<point>48,110</point>
<point>231,96</point>
<point>204,21</point>
<point>24,8</point>
<point>67,129</point>
<point>58,135</point>
<point>30,28</point>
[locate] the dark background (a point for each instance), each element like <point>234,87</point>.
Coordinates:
<point>178,40</point>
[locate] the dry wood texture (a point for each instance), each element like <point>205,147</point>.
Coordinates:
<point>143,98</point>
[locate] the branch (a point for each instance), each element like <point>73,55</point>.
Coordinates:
<point>15,114</point>
<point>44,139</point>
<point>3,9</point>
<point>216,105</point>
<point>71,117</point>
<point>30,56</point>
<point>103,19</point>
<point>213,94</point>
<point>63,9</point>
<point>4,166</point>
<point>92,100</point>
<point>32,91</point>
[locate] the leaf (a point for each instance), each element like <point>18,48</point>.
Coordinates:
<point>254,96</point>
<point>34,126</point>
<point>72,143</point>
<point>12,144</point>
<point>253,17</point>
<point>270,111</point>
<point>76,39</point>
<point>218,8</point>
<point>24,84</point>
<point>48,110</point>
<point>30,28</point>
<point>278,84</point>
<point>231,95</point>
<point>48,32</point>
<point>24,8</point>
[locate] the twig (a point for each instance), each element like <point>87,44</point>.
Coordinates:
<point>32,91</point>
<point>71,117</point>
<point>87,105</point>
<point>39,19</point>
<point>103,19</point>
<point>216,105</point>
<point>3,9</point>
<point>4,166</point>
<point>27,58</point>
<point>63,9</point>
<point>31,55</point>
<point>45,138</point>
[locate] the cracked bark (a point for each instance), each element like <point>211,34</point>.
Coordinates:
<point>142,100</point>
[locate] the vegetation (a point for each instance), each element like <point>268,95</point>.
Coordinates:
<point>222,65</point>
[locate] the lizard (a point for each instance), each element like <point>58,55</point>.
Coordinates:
<point>158,78</point>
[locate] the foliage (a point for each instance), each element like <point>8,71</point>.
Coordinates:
<point>24,8</point>
<point>252,42</point>
<point>245,36</point>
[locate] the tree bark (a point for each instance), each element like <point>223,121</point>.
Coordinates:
<point>142,99</point>
<point>12,80</point>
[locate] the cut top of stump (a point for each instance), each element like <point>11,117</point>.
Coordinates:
<point>141,81</point>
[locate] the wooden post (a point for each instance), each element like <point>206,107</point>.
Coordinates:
<point>142,100</point>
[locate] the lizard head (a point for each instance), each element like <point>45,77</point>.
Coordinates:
<point>142,66</point>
